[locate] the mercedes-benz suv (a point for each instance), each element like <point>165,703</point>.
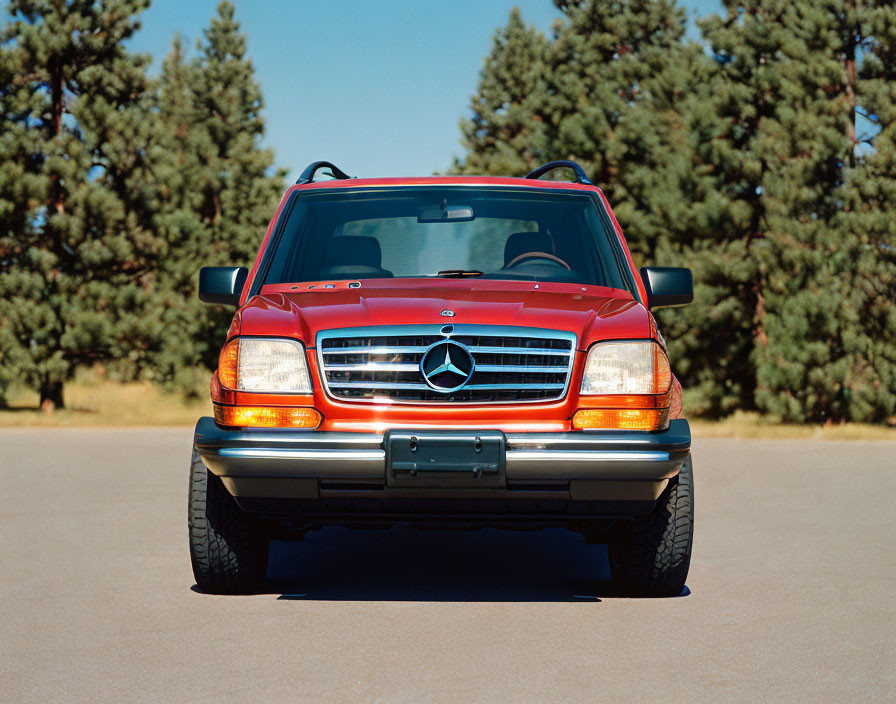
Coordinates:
<point>448,351</point>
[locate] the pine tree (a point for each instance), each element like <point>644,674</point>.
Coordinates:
<point>75,205</point>
<point>786,93</point>
<point>869,262</point>
<point>718,335</point>
<point>844,312</point>
<point>506,136</point>
<point>220,192</point>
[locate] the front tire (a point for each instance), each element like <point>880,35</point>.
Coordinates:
<point>650,555</point>
<point>228,548</point>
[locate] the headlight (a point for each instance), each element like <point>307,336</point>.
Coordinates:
<point>626,368</point>
<point>264,365</point>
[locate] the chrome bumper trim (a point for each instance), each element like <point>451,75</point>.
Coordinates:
<point>555,457</point>
<point>584,455</point>
<point>321,454</point>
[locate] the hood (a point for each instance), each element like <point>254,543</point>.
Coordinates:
<point>591,312</point>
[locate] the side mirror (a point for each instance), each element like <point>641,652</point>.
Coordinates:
<point>667,287</point>
<point>222,284</point>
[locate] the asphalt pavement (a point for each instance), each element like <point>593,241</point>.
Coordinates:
<point>790,596</point>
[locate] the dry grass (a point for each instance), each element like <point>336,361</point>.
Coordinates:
<point>752,425</point>
<point>94,402</point>
<point>90,402</point>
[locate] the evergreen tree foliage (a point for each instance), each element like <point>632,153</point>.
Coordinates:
<point>750,130</point>
<point>612,79</point>
<point>219,193</point>
<point>76,247</point>
<point>506,133</point>
<point>867,368</point>
<point>785,162</point>
<point>606,90</point>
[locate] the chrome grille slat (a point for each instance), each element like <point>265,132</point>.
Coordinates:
<point>512,368</point>
<point>424,387</point>
<point>382,364</point>
<point>373,367</point>
<point>376,350</point>
<point>514,387</point>
<point>375,385</point>
<point>517,350</point>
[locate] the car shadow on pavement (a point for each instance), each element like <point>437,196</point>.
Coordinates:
<point>405,564</point>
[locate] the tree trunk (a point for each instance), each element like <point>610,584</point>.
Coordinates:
<point>56,99</point>
<point>851,83</point>
<point>51,396</point>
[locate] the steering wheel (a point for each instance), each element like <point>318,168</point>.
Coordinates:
<point>536,255</point>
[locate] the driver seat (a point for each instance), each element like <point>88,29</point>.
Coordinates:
<point>524,242</point>
<point>552,268</point>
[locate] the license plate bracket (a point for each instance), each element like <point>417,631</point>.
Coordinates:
<point>445,458</point>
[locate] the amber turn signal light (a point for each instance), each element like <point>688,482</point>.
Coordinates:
<point>228,364</point>
<point>621,419</point>
<point>266,417</point>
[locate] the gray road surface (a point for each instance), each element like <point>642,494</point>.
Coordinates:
<point>792,592</point>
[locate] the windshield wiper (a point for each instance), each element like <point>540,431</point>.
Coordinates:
<point>458,273</point>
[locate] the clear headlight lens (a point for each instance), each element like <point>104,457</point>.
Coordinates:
<point>265,365</point>
<point>626,368</point>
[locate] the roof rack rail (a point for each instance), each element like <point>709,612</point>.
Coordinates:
<point>308,174</point>
<point>581,176</point>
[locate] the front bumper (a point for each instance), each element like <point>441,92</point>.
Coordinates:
<point>623,471</point>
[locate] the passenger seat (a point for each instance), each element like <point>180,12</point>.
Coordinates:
<point>354,257</point>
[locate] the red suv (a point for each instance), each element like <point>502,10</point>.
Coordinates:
<point>448,351</point>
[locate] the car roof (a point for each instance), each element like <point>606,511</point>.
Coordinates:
<point>393,182</point>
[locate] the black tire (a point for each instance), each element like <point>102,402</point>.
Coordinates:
<point>650,555</point>
<point>228,547</point>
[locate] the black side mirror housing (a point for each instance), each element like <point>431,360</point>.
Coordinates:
<point>667,287</point>
<point>222,284</point>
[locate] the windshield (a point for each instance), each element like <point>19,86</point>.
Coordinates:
<point>445,232</point>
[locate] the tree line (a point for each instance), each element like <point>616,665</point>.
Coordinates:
<point>763,157</point>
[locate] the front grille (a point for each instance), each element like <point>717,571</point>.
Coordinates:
<point>511,363</point>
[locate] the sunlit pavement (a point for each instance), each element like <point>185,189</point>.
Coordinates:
<point>790,597</point>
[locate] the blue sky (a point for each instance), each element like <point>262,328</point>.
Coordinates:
<point>378,87</point>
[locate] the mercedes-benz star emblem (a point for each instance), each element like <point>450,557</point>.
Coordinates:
<point>447,366</point>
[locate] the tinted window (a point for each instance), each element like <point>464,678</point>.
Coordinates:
<point>510,234</point>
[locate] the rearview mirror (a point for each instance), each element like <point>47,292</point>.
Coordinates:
<point>222,284</point>
<point>446,213</point>
<point>667,287</point>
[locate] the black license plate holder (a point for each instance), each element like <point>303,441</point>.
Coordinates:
<point>446,459</point>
